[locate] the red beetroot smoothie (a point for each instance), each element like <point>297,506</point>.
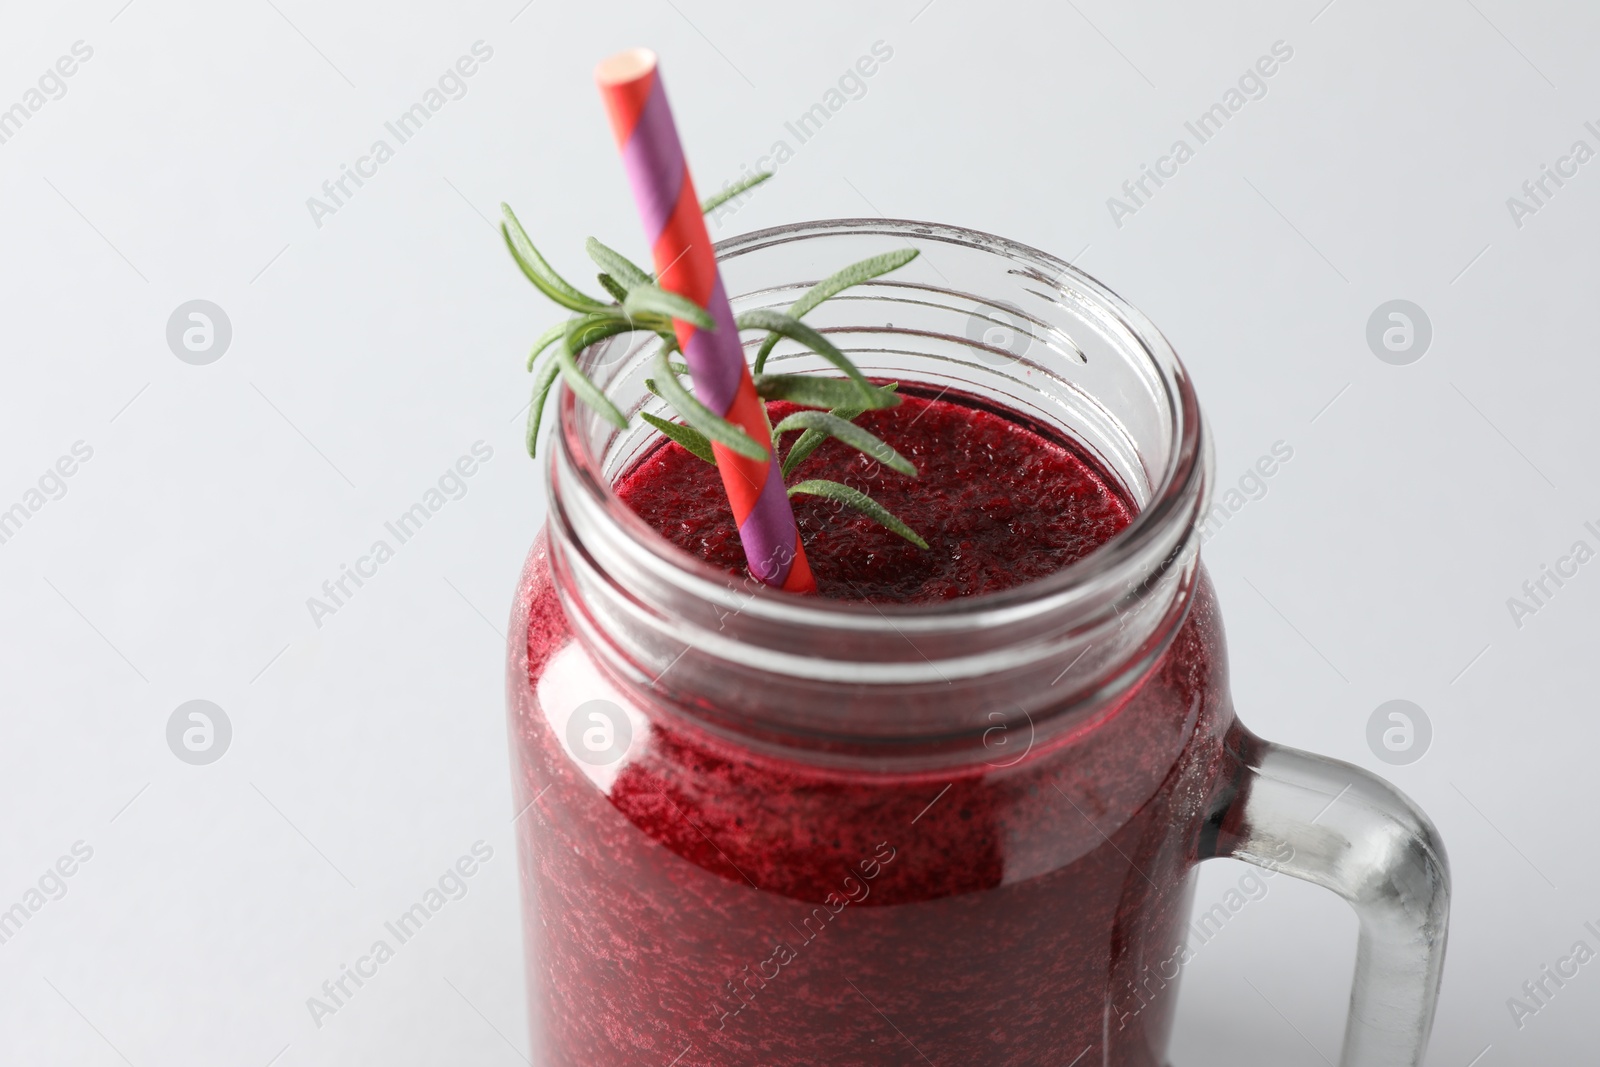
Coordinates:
<point>706,904</point>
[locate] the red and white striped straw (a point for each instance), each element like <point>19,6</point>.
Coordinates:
<point>630,83</point>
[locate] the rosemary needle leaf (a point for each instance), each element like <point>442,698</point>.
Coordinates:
<point>854,274</point>
<point>712,203</point>
<point>649,298</point>
<point>612,286</point>
<point>834,284</point>
<point>666,385</point>
<point>691,439</point>
<point>546,339</point>
<point>863,441</point>
<point>789,326</point>
<point>808,443</point>
<point>579,335</point>
<point>585,330</point>
<point>679,369</point>
<point>808,390</point>
<point>538,271</point>
<point>858,501</point>
<point>616,264</point>
<point>812,439</point>
<point>541,392</point>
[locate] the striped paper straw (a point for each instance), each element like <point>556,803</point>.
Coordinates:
<point>630,83</point>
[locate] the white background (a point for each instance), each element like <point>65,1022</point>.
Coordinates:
<point>372,351</point>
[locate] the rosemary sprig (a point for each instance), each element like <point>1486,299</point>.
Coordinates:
<point>649,298</point>
<point>691,439</point>
<point>812,439</point>
<point>638,303</point>
<point>811,392</point>
<point>712,203</point>
<point>540,273</point>
<point>835,284</point>
<point>541,388</point>
<point>699,417</point>
<point>847,432</point>
<point>788,326</point>
<point>612,286</point>
<point>855,498</point>
<point>618,266</point>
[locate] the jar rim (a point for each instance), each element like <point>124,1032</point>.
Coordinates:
<point>1160,528</point>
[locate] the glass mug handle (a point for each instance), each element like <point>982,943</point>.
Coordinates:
<point>1352,832</point>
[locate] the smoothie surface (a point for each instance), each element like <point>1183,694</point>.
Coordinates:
<point>998,503</point>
